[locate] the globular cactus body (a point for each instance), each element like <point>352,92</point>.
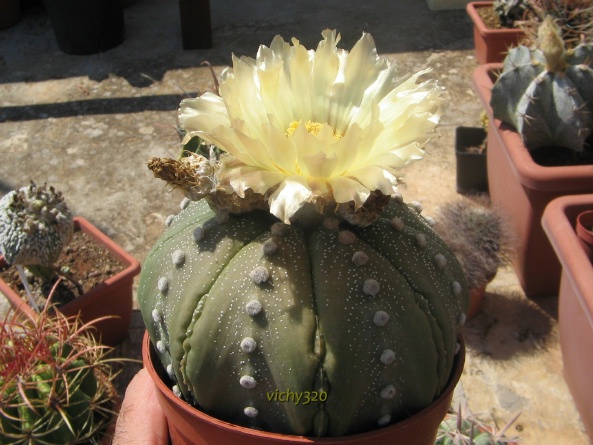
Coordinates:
<point>34,419</point>
<point>35,224</point>
<point>359,324</point>
<point>55,389</point>
<point>547,93</point>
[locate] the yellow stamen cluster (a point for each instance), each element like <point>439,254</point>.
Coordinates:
<point>312,127</point>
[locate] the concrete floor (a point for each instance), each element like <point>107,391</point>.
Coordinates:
<point>88,124</point>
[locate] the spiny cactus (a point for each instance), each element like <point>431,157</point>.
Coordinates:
<point>479,236</point>
<point>249,307</point>
<point>547,93</point>
<point>35,224</point>
<point>574,18</point>
<point>509,11</point>
<point>462,427</point>
<point>55,383</point>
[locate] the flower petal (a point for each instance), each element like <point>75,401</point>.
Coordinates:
<point>203,114</point>
<point>292,194</point>
<point>346,189</point>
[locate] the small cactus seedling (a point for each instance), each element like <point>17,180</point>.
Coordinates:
<point>300,294</point>
<point>35,224</point>
<point>546,93</point>
<point>55,382</point>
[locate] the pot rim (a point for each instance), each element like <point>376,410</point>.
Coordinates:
<point>586,227</point>
<point>576,266</point>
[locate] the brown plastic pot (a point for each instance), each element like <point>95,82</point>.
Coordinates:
<point>112,298</point>
<point>190,426</point>
<point>491,45</point>
<point>522,188</point>
<point>575,305</point>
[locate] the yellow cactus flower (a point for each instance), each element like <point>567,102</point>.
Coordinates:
<point>304,126</point>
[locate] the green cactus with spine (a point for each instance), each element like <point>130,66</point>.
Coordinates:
<point>247,308</point>
<point>547,93</point>
<point>462,427</point>
<point>55,383</point>
<point>479,235</point>
<point>574,18</point>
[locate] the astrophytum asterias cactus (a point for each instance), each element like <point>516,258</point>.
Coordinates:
<point>243,309</point>
<point>547,93</point>
<point>302,295</point>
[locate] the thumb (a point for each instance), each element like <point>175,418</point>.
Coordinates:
<point>141,420</point>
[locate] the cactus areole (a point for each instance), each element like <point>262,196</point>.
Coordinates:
<point>315,312</point>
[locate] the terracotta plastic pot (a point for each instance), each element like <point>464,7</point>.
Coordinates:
<point>113,298</point>
<point>575,305</point>
<point>522,188</point>
<point>491,45</point>
<point>189,426</point>
<point>471,173</point>
<point>584,230</point>
<point>476,301</point>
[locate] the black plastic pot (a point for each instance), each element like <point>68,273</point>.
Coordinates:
<point>10,13</point>
<point>472,175</point>
<point>86,26</point>
<point>196,26</point>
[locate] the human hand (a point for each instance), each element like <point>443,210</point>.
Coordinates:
<point>141,420</point>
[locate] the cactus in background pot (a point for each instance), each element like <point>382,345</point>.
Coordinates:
<point>35,225</point>
<point>509,11</point>
<point>574,18</point>
<point>300,294</point>
<point>546,93</point>
<point>479,235</point>
<point>55,382</point>
<point>462,427</point>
